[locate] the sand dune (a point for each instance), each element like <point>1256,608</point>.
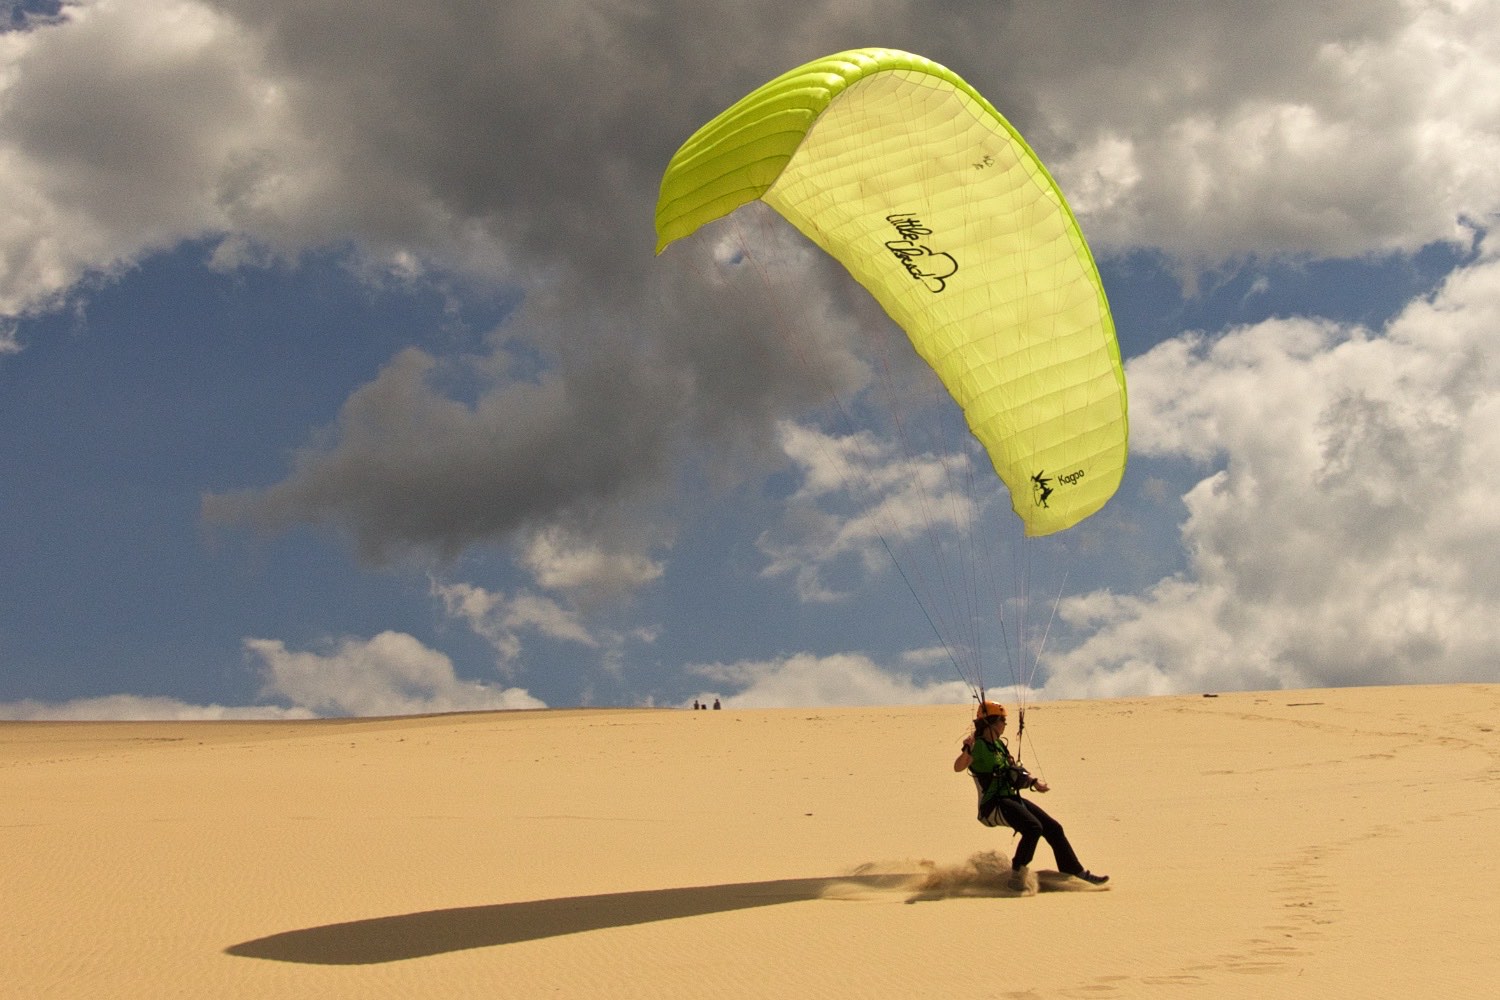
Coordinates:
<point>1286,844</point>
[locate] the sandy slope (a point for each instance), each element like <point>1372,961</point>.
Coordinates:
<point>1290,844</point>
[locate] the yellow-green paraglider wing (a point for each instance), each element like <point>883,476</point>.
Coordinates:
<point>933,202</point>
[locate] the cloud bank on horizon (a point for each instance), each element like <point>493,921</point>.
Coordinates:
<point>1339,538</point>
<point>1336,483</point>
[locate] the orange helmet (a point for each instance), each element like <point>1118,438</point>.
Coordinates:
<point>990,709</point>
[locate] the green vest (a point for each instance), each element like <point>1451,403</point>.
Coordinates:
<point>996,772</point>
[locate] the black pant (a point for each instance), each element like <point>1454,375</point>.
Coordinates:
<point>1032,823</point>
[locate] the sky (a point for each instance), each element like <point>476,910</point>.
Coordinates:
<point>338,375</point>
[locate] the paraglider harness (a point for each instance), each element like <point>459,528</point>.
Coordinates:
<point>1011,776</point>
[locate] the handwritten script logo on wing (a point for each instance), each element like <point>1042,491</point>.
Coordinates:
<point>931,267</point>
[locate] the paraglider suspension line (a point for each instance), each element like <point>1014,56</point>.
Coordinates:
<point>928,615</point>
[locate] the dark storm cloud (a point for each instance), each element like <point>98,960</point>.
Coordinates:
<point>548,127</point>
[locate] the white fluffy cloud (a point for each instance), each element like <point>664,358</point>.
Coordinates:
<point>509,621</point>
<point>1345,533</point>
<point>560,562</point>
<point>390,674</point>
<point>136,708</point>
<point>501,619</point>
<point>859,497</point>
<point>1217,131</point>
<point>129,127</point>
<point>124,128</point>
<point>805,679</point>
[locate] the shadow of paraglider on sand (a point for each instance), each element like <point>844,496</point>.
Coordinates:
<point>437,932</point>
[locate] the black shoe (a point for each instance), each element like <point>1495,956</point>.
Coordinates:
<point>1090,877</point>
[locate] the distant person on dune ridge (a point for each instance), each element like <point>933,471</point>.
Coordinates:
<point>1001,779</point>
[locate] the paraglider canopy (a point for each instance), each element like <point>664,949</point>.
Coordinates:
<point>935,204</point>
